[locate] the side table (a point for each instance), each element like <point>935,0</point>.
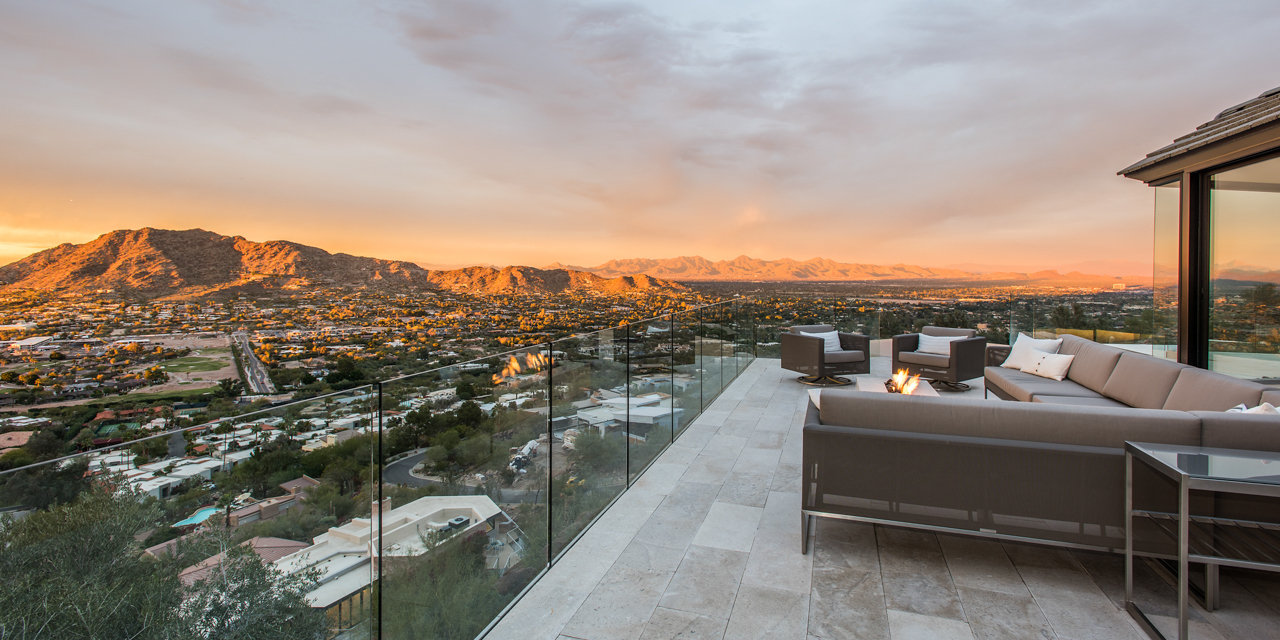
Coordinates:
<point>1206,539</point>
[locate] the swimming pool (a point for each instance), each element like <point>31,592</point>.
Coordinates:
<point>197,517</point>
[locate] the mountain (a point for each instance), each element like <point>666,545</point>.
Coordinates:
<point>697,268</point>
<point>197,262</point>
<point>513,279</point>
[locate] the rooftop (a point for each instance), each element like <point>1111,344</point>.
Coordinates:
<point>706,544</point>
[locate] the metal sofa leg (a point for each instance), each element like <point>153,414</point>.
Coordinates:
<point>804,533</point>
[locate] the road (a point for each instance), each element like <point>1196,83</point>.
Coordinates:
<point>258,383</point>
<point>398,473</point>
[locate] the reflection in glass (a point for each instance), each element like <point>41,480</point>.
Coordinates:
<point>1164,316</point>
<point>1244,312</point>
<point>462,525</point>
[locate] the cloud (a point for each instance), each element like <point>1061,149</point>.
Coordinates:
<point>546,130</point>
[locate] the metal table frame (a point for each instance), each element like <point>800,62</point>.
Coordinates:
<point>1259,539</point>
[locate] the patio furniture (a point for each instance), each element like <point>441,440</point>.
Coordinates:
<point>808,355</point>
<point>1043,471</point>
<point>965,361</point>
<point>1202,537</point>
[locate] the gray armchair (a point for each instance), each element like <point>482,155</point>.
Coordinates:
<point>967,360</point>
<point>807,355</point>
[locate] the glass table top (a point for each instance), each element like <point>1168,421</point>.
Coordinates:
<point>1218,464</point>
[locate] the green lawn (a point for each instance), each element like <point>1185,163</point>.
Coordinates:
<point>191,364</point>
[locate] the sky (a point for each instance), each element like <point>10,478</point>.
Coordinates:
<point>534,131</point>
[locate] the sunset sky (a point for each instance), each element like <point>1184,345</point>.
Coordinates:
<point>533,131</point>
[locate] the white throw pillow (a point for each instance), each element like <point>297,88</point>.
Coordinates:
<point>1025,348</point>
<point>831,337</point>
<point>1049,365</point>
<point>1264,409</point>
<point>940,345</point>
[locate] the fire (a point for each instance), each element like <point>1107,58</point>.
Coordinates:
<point>902,384</point>
<point>532,362</point>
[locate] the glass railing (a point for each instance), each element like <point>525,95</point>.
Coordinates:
<point>417,507</point>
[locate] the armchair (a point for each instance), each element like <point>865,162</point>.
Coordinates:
<point>966,361</point>
<point>807,355</point>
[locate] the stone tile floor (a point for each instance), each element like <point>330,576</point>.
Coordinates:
<point>706,545</point>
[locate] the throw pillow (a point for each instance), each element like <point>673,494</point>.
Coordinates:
<point>815,396</point>
<point>1049,365</point>
<point>940,345</point>
<point>1025,348</point>
<point>1264,409</point>
<point>832,339</point>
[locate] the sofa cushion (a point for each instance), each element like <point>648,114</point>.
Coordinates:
<point>1239,431</point>
<point>1201,390</point>
<point>1093,364</point>
<point>843,356</point>
<point>1015,421</point>
<point>1022,386</point>
<point>1142,381</point>
<point>1272,395</point>
<point>949,332</point>
<point>1080,402</point>
<point>930,359</point>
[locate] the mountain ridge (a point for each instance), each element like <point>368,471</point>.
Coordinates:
<point>196,262</point>
<point>699,269</point>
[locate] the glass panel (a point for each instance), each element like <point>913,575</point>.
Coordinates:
<point>1166,234</point>
<point>465,505</point>
<point>649,414</point>
<point>589,381</point>
<point>686,379</point>
<point>1244,312</point>
<point>137,527</point>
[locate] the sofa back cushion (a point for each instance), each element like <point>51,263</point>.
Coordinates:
<point>1020,421</point>
<point>1272,395</point>
<point>1201,390</point>
<point>949,332</point>
<point>1239,431</point>
<point>812,328</point>
<point>1142,381</point>
<point>1093,364</point>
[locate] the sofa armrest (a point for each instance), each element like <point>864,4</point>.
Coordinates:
<point>997,354</point>
<point>855,342</point>
<point>803,354</point>
<point>968,357</point>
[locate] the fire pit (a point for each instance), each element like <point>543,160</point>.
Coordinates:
<point>900,383</point>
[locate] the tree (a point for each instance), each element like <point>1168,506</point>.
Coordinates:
<point>244,597</point>
<point>57,355</point>
<point>76,571</point>
<point>9,377</point>
<point>1073,318</point>
<point>229,388</point>
<point>594,451</point>
<point>156,375</point>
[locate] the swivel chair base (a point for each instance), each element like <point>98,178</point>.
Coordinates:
<point>824,381</point>
<point>953,387</point>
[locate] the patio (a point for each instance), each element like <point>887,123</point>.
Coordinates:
<point>706,545</point>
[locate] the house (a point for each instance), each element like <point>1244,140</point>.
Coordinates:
<point>346,556</point>
<point>269,549</point>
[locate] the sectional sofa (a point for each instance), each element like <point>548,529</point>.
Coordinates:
<point>1047,464</point>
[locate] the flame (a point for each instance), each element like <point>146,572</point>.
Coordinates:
<point>903,384</point>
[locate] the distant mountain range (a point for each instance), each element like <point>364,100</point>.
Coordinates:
<point>744,268</point>
<point>197,262</point>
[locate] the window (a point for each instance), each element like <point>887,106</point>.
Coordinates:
<point>1244,304</point>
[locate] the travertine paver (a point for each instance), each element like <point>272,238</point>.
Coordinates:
<point>705,545</point>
